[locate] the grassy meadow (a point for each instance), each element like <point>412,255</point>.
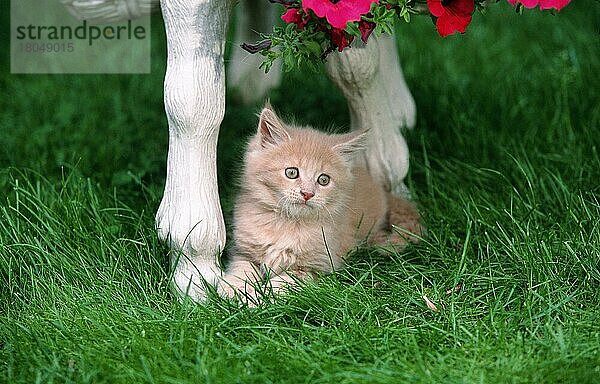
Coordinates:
<point>505,168</point>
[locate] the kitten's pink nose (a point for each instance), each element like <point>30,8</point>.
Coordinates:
<point>307,195</point>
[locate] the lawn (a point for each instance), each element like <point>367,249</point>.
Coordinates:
<point>505,168</point>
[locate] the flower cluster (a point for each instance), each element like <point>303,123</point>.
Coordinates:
<point>544,4</point>
<point>315,28</point>
<point>336,13</point>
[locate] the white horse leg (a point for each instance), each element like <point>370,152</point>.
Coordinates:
<point>401,101</point>
<point>378,100</point>
<point>108,11</point>
<point>189,217</point>
<point>252,84</point>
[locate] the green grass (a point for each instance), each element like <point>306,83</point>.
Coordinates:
<point>504,166</point>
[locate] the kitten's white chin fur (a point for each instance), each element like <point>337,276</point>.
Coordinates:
<point>303,210</point>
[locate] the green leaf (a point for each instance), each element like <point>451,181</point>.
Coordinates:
<point>288,62</point>
<point>352,28</point>
<point>313,47</point>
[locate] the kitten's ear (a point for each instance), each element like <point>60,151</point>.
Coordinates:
<point>270,129</point>
<point>351,144</point>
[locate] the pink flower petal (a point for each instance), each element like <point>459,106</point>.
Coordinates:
<point>319,7</point>
<point>556,4</point>
<point>339,14</point>
<point>291,16</point>
<point>342,15</point>
<point>526,3</point>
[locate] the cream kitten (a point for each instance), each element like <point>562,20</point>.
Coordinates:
<point>305,202</point>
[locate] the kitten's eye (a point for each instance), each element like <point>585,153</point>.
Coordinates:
<point>291,173</point>
<point>323,179</point>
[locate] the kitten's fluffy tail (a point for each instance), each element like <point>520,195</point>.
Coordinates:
<point>404,224</point>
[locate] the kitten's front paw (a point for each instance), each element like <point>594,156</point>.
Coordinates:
<point>242,290</point>
<point>405,224</point>
<point>396,240</point>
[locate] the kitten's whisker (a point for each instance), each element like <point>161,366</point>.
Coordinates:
<point>280,206</point>
<point>348,207</point>
<point>329,212</point>
<point>287,205</point>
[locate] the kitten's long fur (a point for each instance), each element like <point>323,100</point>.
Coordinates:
<point>291,224</point>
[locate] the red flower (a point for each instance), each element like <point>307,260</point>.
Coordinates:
<point>294,15</point>
<point>365,28</point>
<point>340,38</point>
<point>339,12</point>
<point>544,4</point>
<point>452,15</point>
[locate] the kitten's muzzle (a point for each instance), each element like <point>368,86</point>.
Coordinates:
<point>307,195</point>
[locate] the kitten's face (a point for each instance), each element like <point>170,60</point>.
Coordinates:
<point>301,174</point>
<point>300,185</point>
